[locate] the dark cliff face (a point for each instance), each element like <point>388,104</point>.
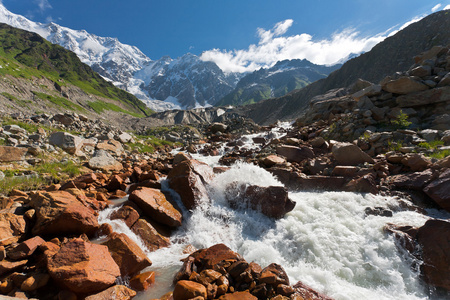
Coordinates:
<point>390,56</point>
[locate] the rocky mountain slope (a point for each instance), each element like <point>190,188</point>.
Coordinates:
<point>392,55</point>
<point>276,81</point>
<point>187,81</point>
<point>38,76</point>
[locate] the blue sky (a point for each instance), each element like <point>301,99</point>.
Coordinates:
<point>237,34</point>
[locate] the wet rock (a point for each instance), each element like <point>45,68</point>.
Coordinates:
<point>12,228</point>
<point>83,267</point>
<point>117,292</point>
<point>127,254</point>
<point>155,205</point>
<point>347,154</point>
<point>26,248</point>
<point>404,235</point>
<point>404,85</point>
<point>143,281</point>
<point>295,154</point>
<point>215,257</point>
<point>127,214</point>
<point>272,201</point>
<point>434,238</point>
<point>274,275</point>
<point>61,213</point>
<point>185,289</point>
<point>66,141</point>
<point>439,190</point>
<point>9,154</point>
<point>363,184</point>
<point>306,292</point>
<point>188,178</point>
<point>102,160</point>
<point>378,211</point>
<point>152,239</point>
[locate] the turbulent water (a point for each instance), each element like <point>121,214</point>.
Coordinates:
<point>326,242</point>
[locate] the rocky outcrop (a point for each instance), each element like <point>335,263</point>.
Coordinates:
<point>155,205</point>
<point>83,267</point>
<point>8,153</point>
<point>347,154</point>
<point>188,179</point>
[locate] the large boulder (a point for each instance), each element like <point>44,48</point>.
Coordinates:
<point>66,141</point>
<point>272,201</point>
<point>112,146</point>
<point>127,254</point>
<point>295,154</point>
<point>155,205</point>
<point>83,267</point>
<point>348,154</point>
<point>152,239</point>
<point>102,160</point>
<point>12,228</point>
<point>238,296</point>
<point>404,85</point>
<point>439,190</point>
<point>435,95</point>
<point>188,179</point>
<point>434,239</point>
<point>9,154</point>
<point>413,181</point>
<point>185,290</point>
<point>26,248</point>
<point>60,212</point>
<point>416,162</point>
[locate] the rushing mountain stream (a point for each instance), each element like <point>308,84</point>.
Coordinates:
<point>327,241</point>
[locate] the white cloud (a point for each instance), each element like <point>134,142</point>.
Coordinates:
<point>273,47</point>
<point>43,5</point>
<point>436,7</point>
<point>446,7</point>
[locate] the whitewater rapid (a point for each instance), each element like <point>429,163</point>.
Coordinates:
<point>327,241</point>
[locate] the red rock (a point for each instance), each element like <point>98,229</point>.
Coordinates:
<point>274,275</point>
<point>414,181</point>
<point>155,205</point>
<point>439,190</point>
<point>272,201</point>
<point>117,292</point>
<point>214,256</point>
<point>152,175</point>
<point>35,282</point>
<point>142,282</point>
<point>83,267</point>
<point>8,266</point>
<point>60,212</point>
<point>26,248</point>
<point>307,292</point>
<point>188,179</point>
<point>185,290</point>
<point>127,254</point>
<point>152,239</point>
<point>404,235</point>
<point>363,184</point>
<point>19,193</point>
<point>12,228</point>
<point>346,171</point>
<point>114,183</point>
<point>295,154</point>
<point>127,214</point>
<point>112,146</point>
<point>87,178</point>
<point>238,296</point>
<point>434,239</point>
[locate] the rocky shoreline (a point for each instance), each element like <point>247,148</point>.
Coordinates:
<point>367,138</point>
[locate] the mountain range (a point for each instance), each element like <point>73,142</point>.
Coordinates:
<point>186,82</point>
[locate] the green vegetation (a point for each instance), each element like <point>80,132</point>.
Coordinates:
<point>395,145</point>
<point>100,106</point>
<point>433,149</point>
<point>439,154</point>
<point>433,145</point>
<point>23,103</point>
<point>32,127</point>
<point>401,122</point>
<point>37,176</point>
<point>149,144</point>
<point>60,102</point>
<point>26,55</point>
